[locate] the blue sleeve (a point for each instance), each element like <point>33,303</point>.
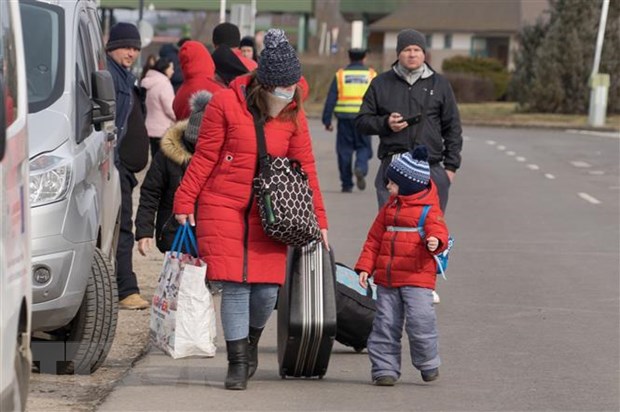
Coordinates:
<point>330,103</point>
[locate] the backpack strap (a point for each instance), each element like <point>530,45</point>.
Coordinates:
<point>422,219</point>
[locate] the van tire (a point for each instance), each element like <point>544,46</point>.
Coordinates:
<point>88,337</point>
<point>93,328</point>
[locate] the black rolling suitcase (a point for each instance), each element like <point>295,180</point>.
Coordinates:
<point>356,308</point>
<point>307,312</point>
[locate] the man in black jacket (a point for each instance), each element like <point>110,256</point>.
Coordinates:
<point>411,104</point>
<point>131,152</point>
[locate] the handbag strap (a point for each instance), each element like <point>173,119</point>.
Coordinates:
<point>263,156</point>
<point>420,128</point>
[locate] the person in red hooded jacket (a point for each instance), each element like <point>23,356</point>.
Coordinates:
<point>400,258</point>
<point>238,253</point>
<point>198,71</point>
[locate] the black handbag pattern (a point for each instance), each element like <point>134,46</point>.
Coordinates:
<point>284,197</point>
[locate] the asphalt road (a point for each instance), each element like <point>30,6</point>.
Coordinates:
<point>529,318</point>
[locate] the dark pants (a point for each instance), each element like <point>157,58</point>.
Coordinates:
<point>349,141</point>
<point>154,142</point>
<point>125,277</point>
<point>438,174</point>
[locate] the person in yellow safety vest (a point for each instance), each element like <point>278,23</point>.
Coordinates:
<point>344,99</point>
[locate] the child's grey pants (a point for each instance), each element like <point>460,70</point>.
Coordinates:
<point>412,306</point>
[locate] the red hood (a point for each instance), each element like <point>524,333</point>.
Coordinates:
<point>196,60</point>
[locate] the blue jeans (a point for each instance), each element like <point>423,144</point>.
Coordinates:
<point>412,307</point>
<point>245,305</point>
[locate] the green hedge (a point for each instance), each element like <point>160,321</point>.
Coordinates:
<point>481,67</point>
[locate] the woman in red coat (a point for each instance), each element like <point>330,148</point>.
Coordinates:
<point>218,181</point>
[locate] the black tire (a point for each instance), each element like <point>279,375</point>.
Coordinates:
<point>88,338</point>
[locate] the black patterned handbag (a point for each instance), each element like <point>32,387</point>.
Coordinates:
<point>283,195</point>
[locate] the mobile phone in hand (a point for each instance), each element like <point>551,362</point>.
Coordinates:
<point>413,120</point>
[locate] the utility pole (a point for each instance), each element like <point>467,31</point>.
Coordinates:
<point>222,11</point>
<point>599,82</point>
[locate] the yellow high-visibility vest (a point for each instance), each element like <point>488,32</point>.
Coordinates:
<point>352,85</point>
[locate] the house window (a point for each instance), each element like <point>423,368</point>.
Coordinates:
<point>429,41</point>
<point>479,47</point>
<point>447,41</point>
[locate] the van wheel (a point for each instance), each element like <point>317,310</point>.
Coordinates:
<point>88,338</point>
<point>22,367</point>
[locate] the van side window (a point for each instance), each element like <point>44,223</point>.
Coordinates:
<point>84,68</point>
<point>94,27</point>
<point>7,65</point>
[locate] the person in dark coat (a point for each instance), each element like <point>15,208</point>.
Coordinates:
<point>411,89</point>
<point>154,217</point>
<point>130,153</point>
<point>171,51</point>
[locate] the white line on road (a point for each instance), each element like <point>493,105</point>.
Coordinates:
<point>520,159</point>
<point>580,163</point>
<point>491,142</point>
<point>615,135</point>
<point>589,198</point>
<point>549,176</point>
<point>596,172</point>
<point>501,147</point>
<point>466,138</point>
<point>533,167</point>
<point>510,153</point>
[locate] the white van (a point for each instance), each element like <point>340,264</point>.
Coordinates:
<point>15,286</point>
<point>75,194</point>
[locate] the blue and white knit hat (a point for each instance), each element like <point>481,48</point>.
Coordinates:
<point>411,171</point>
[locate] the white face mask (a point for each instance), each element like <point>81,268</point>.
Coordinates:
<point>284,93</point>
<point>276,104</point>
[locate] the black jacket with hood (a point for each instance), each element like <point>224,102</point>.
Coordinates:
<point>157,191</point>
<point>442,133</point>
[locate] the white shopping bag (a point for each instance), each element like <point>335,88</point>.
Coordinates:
<point>182,311</point>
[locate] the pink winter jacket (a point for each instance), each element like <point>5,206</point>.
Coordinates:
<point>159,97</point>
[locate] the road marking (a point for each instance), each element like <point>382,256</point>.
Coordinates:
<point>510,153</point>
<point>520,159</point>
<point>533,167</point>
<point>589,198</point>
<point>491,142</point>
<point>501,147</point>
<point>596,172</point>
<point>580,163</point>
<point>549,176</point>
<point>466,138</point>
<point>615,135</point>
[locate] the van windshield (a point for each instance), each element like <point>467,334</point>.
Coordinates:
<point>43,30</point>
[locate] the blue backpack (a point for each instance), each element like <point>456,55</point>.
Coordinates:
<point>440,258</point>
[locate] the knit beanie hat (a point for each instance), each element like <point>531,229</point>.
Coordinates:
<point>226,33</point>
<point>411,171</point>
<point>410,37</point>
<point>197,103</point>
<point>227,64</point>
<point>123,35</point>
<point>278,64</point>
<point>247,41</point>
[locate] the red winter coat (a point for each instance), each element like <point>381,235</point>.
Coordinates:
<point>401,258</point>
<point>198,71</point>
<point>219,179</point>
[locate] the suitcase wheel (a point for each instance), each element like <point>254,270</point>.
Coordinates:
<point>321,376</point>
<point>359,350</point>
<point>283,376</point>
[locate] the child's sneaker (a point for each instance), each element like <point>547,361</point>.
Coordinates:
<point>430,374</point>
<point>384,381</point>
<point>436,299</point>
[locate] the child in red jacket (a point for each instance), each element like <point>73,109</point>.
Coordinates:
<point>404,270</point>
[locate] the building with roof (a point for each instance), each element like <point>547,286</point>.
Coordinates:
<point>486,28</point>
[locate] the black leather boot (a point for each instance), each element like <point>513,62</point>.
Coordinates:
<point>253,339</point>
<point>237,376</point>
